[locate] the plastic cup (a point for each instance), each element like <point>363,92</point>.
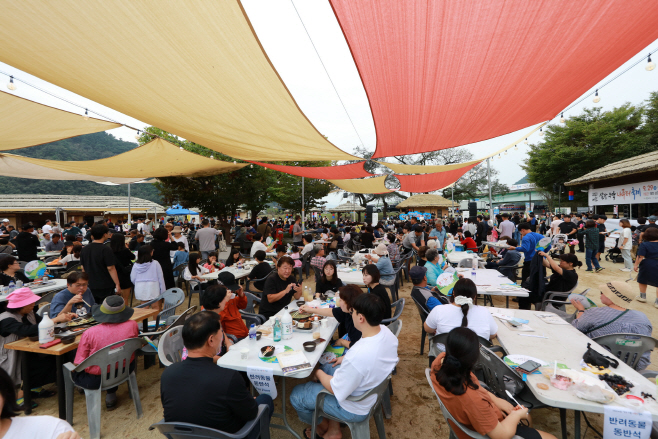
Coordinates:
<point>244,353</point>
<point>324,323</point>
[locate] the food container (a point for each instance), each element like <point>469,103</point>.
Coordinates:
<point>309,346</point>
<point>259,334</point>
<point>300,302</point>
<point>561,382</point>
<point>269,353</point>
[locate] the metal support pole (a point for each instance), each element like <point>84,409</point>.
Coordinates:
<point>129,216</point>
<point>303,216</point>
<point>453,198</point>
<point>489,181</point>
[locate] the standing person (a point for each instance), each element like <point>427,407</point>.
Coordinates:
<point>568,228</point>
<point>280,288</point>
<point>297,233</point>
<point>162,245</point>
<point>591,237</point>
<point>580,233</point>
<point>506,227</point>
<point>98,260</point>
<point>600,221</point>
<point>123,261</point>
<point>27,244</point>
<point>555,225</point>
<point>207,238</point>
<point>528,246</point>
<point>625,244</point>
<point>147,277</point>
<point>646,264</point>
<point>47,228</point>
<point>371,278</point>
<point>481,230</point>
<point>177,236</point>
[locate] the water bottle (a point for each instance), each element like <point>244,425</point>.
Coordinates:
<point>12,287</point>
<point>473,276</point>
<point>286,325</point>
<point>19,284</point>
<point>46,329</point>
<point>252,332</point>
<point>276,330</point>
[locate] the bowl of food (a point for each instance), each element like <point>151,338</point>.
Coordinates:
<point>267,351</point>
<point>300,303</point>
<point>258,335</point>
<point>309,346</point>
<point>68,339</point>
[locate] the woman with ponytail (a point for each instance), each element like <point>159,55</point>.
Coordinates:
<point>469,403</point>
<point>462,313</point>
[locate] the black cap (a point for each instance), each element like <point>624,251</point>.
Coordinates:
<point>227,279</point>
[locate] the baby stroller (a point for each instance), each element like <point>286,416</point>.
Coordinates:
<point>614,255</point>
<point>558,243</point>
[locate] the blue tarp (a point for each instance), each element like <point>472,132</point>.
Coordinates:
<point>178,210</point>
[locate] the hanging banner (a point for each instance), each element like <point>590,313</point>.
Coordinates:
<point>634,193</point>
<point>262,379</point>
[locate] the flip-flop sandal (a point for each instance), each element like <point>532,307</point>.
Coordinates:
<point>307,436</point>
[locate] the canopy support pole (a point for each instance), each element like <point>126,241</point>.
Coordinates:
<point>303,216</point>
<point>489,180</point>
<point>129,216</point>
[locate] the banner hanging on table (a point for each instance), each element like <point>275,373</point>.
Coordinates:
<point>636,193</point>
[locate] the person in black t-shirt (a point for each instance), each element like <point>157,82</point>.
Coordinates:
<point>568,228</point>
<point>27,244</point>
<point>564,277</point>
<point>197,391</point>
<point>261,270</point>
<point>329,280</point>
<point>98,261</point>
<point>280,288</point>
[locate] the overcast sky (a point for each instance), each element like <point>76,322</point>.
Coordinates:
<point>286,43</point>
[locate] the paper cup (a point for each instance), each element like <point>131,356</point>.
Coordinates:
<point>324,323</point>
<point>244,353</point>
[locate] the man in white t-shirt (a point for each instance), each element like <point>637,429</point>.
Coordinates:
<point>365,365</point>
<point>47,228</point>
<point>555,225</point>
<point>257,245</point>
<point>308,244</point>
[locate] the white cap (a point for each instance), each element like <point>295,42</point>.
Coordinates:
<point>5,220</point>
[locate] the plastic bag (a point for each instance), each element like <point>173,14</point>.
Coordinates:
<point>596,393</point>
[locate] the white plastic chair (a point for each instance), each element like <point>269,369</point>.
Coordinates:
<point>170,347</point>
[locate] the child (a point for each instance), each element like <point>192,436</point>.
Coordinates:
<point>295,256</point>
<point>212,263</point>
<point>194,271</point>
<point>147,277</point>
<point>180,257</point>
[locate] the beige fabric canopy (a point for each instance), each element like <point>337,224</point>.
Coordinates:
<point>373,185</point>
<point>25,123</point>
<point>194,68</point>
<point>157,158</point>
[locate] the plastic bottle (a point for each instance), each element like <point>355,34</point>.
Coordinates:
<point>286,325</point>
<point>252,332</point>
<point>46,329</point>
<point>12,287</point>
<point>19,284</point>
<point>276,330</point>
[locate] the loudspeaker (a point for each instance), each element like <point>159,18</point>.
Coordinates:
<point>472,209</point>
<point>369,210</point>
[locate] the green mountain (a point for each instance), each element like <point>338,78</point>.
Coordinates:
<point>88,147</point>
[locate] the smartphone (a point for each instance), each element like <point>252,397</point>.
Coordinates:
<point>529,367</point>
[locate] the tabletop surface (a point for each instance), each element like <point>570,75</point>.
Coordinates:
<point>351,277</point>
<point>232,359</point>
<point>455,257</point>
<point>489,281</point>
<point>566,345</point>
<point>26,345</point>
<point>52,285</point>
<point>46,254</point>
<point>239,273</point>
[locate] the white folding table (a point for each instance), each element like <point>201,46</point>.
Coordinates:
<point>565,344</point>
<point>491,282</point>
<point>232,359</point>
<point>351,277</point>
<point>40,289</point>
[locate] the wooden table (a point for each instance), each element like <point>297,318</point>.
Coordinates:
<point>24,345</point>
<point>565,344</point>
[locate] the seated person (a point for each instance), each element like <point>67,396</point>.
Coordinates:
<point>27,427</point>
<point>614,317</point>
<point>258,244</point>
<point>260,271</point>
<point>68,246</point>
<point>199,392</point>
<point>74,256</point>
<point>318,260</point>
<point>194,271</point>
<point>425,296</point>
<point>371,277</point>
<point>46,239</point>
<point>329,280</point>
<point>137,241</point>
<point>467,401</point>
<point>346,329</point>
<point>10,271</point>
<point>55,244</point>
<point>17,321</point>
<point>6,247</point>
<point>462,312</point>
<point>468,242</point>
<point>383,262</point>
<point>510,258</point>
<point>212,264</point>
<point>433,266</point>
<point>280,288</point>
<point>564,277</point>
<point>362,368</point>
<point>280,251</point>
<point>115,325</point>
<point>229,311</point>
<point>76,298</point>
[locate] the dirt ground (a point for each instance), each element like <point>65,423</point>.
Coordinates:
<point>415,410</point>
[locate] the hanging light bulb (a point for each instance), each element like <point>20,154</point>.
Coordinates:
<point>11,86</point>
<point>541,132</point>
<point>562,120</point>
<point>251,166</point>
<point>516,147</point>
<point>498,155</point>
<point>180,147</point>
<point>650,64</point>
<point>596,96</point>
<point>86,115</point>
<point>526,141</point>
<point>505,152</point>
<point>137,135</point>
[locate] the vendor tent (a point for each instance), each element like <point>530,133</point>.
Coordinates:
<point>177,209</point>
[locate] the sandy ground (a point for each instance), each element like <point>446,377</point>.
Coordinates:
<point>415,409</point>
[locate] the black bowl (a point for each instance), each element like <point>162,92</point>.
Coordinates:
<point>68,339</point>
<point>34,338</point>
<point>268,354</point>
<point>300,303</point>
<point>309,346</point>
<point>258,335</point>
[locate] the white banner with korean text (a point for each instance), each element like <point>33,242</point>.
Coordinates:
<point>634,193</point>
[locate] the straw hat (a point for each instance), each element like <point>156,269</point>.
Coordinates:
<point>618,292</point>
<point>381,250</point>
<point>177,229</point>
<point>21,297</point>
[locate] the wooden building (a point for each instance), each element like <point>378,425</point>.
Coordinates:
<point>426,203</point>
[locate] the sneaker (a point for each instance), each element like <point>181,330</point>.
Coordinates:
<point>111,401</point>
<point>589,270</point>
<point>600,269</point>
<point>625,269</point>
<point>642,298</point>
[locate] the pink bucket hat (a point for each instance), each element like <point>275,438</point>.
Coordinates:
<point>21,297</point>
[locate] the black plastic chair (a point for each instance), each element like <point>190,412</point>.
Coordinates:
<point>255,319</point>
<point>247,287</point>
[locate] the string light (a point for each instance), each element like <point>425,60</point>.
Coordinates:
<point>526,141</point>
<point>505,152</point>
<point>86,116</point>
<point>498,155</point>
<point>11,86</point>
<point>180,147</point>
<point>650,64</point>
<point>137,135</point>
<point>541,132</point>
<point>596,96</point>
<point>516,147</point>
<point>562,120</point>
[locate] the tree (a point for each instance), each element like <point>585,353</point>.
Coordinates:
<point>287,190</point>
<point>475,184</point>
<point>591,140</point>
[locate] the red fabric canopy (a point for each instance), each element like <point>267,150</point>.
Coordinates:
<point>440,74</point>
<point>342,172</point>
<point>431,182</point>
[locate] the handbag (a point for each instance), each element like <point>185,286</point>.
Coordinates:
<point>597,359</point>
<point>222,245</point>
